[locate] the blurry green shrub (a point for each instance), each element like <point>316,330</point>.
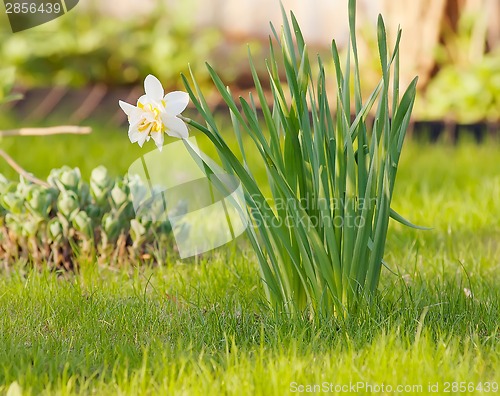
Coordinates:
<point>467,86</point>
<point>465,94</point>
<point>87,47</point>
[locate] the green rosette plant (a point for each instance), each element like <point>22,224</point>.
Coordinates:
<point>65,217</point>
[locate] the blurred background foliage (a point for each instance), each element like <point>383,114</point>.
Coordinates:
<point>460,81</point>
<point>86,48</point>
<point>466,86</point>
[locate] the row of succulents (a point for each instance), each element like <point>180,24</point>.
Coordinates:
<point>68,216</point>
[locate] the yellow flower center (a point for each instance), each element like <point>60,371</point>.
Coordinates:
<point>156,124</point>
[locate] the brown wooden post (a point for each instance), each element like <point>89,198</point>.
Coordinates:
<point>421,24</point>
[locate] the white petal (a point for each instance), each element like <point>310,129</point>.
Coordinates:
<point>158,138</point>
<point>138,136</point>
<point>153,88</point>
<point>136,116</point>
<point>175,127</point>
<point>145,100</point>
<point>176,102</point>
<point>133,133</point>
<point>127,108</point>
<point>149,117</point>
<point>142,138</point>
<point>147,104</point>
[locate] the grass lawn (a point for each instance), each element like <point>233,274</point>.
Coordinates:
<point>196,326</point>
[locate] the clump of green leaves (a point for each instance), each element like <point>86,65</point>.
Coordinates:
<point>320,238</point>
<point>87,48</point>
<point>467,86</point>
<point>465,93</point>
<point>50,224</point>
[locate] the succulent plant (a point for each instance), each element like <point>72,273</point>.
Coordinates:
<point>119,194</point>
<point>40,201</point>
<point>68,204</point>
<point>83,224</point>
<point>12,222</point>
<point>65,178</point>
<point>55,230</point>
<point>111,226</point>
<point>100,185</point>
<point>138,191</point>
<point>30,225</point>
<point>71,212</point>
<point>12,202</point>
<point>138,231</point>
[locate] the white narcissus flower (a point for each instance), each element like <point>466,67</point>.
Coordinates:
<point>156,114</point>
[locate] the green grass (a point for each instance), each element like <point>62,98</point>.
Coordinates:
<point>38,155</point>
<point>196,327</point>
<point>108,146</point>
